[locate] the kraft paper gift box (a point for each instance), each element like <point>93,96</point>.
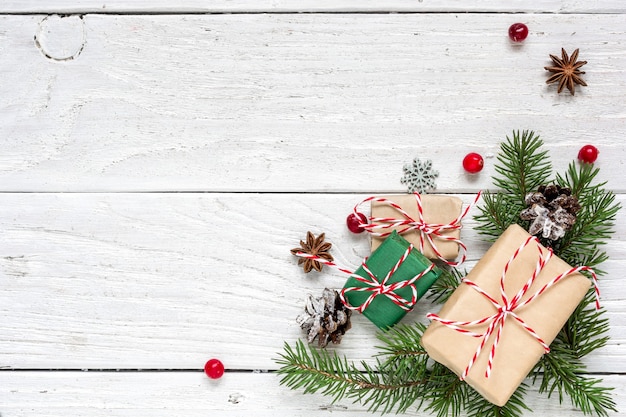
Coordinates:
<point>518,351</point>
<point>437,209</point>
<point>382,311</point>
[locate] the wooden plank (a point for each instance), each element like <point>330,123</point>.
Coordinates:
<point>297,103</point>
<point>248,6</point>
<point>164,281</point>
<point>191,394</point>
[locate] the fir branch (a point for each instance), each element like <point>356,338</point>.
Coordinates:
<point>596,219</point>
<point>317,371</point>
<point>406,358</point>
<point>496,213</point>
<point>403,341</point>
<point>580,179</point>
<point>405,376</point>
<point>515,407</point>
<point>447,394</point>
<point>314,370</point>
<point>445,285</point>
<point>586,329</point>
<point>522,166</point>
<point>562,372</point>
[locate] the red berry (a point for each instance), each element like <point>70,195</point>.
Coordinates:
<point>354,222</point>
<point>518,32</point>
<point>473,163</point>
<point>214,368</point>
<point>588,154</point>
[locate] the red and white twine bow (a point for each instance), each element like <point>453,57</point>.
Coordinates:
<point>376,286</point>
<point>429,232</point>
<point>509,306</point>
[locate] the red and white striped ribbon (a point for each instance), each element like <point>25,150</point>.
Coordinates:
<point>376,286</point>
<point>508,306</point>
<point>429,232</point>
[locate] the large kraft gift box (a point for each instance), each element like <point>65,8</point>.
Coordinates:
<point>517,351</point>
<point>437,209</point>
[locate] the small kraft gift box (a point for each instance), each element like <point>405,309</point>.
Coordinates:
<point>388,283</point>
<point>430,222</point>
<point>513,302</point>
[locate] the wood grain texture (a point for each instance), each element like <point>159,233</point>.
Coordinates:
<point>159,159</point>
<point>275,6</point>
<point>297,103</point>
<point>191,394</point>
<point>161,281</point>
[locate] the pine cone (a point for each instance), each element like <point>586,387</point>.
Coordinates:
<point>325,317</point>
<point>552,210</point>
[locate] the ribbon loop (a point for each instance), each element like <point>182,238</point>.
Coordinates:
<point>508,307</point>
<point>429,232</point>
<point>376,286</point>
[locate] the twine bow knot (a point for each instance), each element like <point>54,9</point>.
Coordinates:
<point>508,307</point>
<point>429,232</point>
<point>375,286</point>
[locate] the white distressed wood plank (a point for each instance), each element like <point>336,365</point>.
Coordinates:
<point>249,6</point>
<point>191,394</point>
<point>294,102</point>
<point>165,281</point>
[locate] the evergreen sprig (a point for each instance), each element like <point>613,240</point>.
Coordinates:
<point>522,167</point>
<point>445,285</point>
<point>403,376</point>
<point>586,330</point>
<point>317,370</point>
<point>563,373</point>
<point>594,222</point>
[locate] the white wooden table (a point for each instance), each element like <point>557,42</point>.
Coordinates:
<point>159,159</point>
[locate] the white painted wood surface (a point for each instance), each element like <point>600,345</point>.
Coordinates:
<point>156,170</point>
<point>193,103</point>
<point>333,6</point>
<point>192,394</point>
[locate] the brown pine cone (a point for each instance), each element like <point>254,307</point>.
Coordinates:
<point>552,210</point>
<point>325,318</point>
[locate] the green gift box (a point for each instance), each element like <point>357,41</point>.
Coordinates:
<point>386,295</point>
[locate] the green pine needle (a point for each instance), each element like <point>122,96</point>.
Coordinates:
<point>403,376</point>
<point>316,370</point>
<point>586,329</point>
<point>513,408</point>
<point>522,166</point>
<point>447,394</point>
<point>594,222</point>
<point>564,374</point>
<point>445,285</point>
<point>496,213</point>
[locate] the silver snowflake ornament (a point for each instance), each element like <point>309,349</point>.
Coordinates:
<point>419,176</point>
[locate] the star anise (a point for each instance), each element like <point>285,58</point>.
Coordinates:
<point>313,246</point>
<point>566,71</point>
